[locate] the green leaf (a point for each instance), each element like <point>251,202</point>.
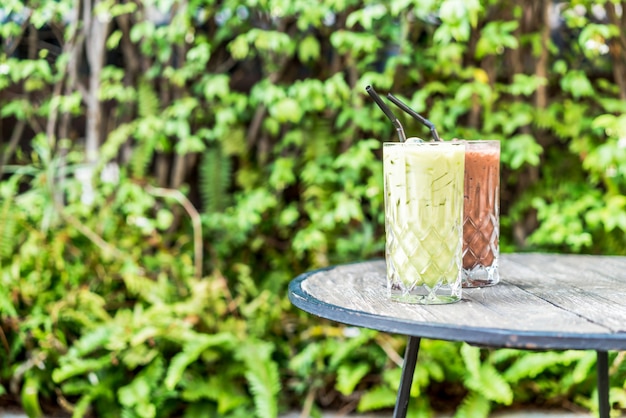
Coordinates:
<point>495,37</point>
<point>458,17</point>
<point>20,109</point>
<point>577,84</point>
<point>471,358</point>
<point>348,376</point>
<point>378,398</point>
<point>493,386</point>
<point>8,229</point>
<point>113,40</point>
<point>263,377</point>
<point>239,47</point>
<point>199,54</point>
<point>530,366</point>
<point>526,84</point>
<point>226,393</point>
<point>593,38</point>
<point>614,126</point>
<point>304,361</point>
<point>474,405</point>
<point>142,29</point>
<point>92,341</point>
<point>584,367</point>
<point>133,394</point>
<point>191,353</point>
<point>138,356</point>
<point>366,16</point>
<point>283,173</point>
<point>270,40</point>
<point>30,398</point>
<point>355,43</point>
<point>521,149</point>
<point>142,396</point>
<point>309,49</point>
<point>76,366</point>
<point>216,86</point>
<point>287,110</point>
<point>612,214</point>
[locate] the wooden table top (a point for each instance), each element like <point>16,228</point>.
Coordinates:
<point>543,301</point>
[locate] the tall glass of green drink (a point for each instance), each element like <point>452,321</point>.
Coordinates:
<point>423,184</point>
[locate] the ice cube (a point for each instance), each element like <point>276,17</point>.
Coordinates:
<point>414,140</point>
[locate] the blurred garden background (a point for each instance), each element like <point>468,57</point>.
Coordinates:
<point>168,166</point>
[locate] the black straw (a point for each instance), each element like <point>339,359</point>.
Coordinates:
<point>387,112</point>
<point>415,115</point>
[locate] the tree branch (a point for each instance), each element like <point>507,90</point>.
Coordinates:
<point>96,31</point>
<point>196,222</point>
<point>617,46</point>
<point>541,96</point>
<point>15,139</point>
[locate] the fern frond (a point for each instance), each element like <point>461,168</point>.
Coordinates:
<point>110,149</point>
<point>493,386</point>
<point>148,128</point>
<point>584,366</point>
<point>215,177</point>
<point>144,152</point>
<point>471,357</point>
<point>140,285</point>
<point>6,306</point>
<point>30,397</point>
<point>377,398</point>
<point>303,362</point>
<point>348,376</point>
<point>154,372</point>
<point>227,393</point>
<point>346,348</point>
<point>196,388</point>
<point>147,100</point>
<point>8,226</point>
<point>262,376</point>
<point>92,341</point>
<point>533,364</point>
<point>503,355</point>
<point>81,408</point>
<point>128,413</point>
<point>265,384</point>
<point>474,405</point>
<point>79,366</point>
<point>192,350</point>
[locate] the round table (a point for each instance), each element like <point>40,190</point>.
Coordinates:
<point>544,301</point>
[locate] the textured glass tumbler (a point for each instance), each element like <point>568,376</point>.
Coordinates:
<point>481,213</point>
<point>423,184</point>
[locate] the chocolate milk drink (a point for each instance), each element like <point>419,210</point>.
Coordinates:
<point>481,213</point>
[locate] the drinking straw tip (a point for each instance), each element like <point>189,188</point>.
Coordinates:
<point>396,123</point>
<point>415,115</point>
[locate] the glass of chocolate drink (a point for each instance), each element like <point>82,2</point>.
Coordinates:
<point>481,213</point>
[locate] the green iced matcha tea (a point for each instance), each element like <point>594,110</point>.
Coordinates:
<point>423,184</point>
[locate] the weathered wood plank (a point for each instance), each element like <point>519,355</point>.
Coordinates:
<point>544,300</point>
<point>591,287</point>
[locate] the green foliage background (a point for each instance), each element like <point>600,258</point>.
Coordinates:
<point>169,165</point>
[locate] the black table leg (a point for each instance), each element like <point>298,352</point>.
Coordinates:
<point>408,368</point>
<point>602,367</point>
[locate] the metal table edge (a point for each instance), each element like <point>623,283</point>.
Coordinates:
<point>496,338</point>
